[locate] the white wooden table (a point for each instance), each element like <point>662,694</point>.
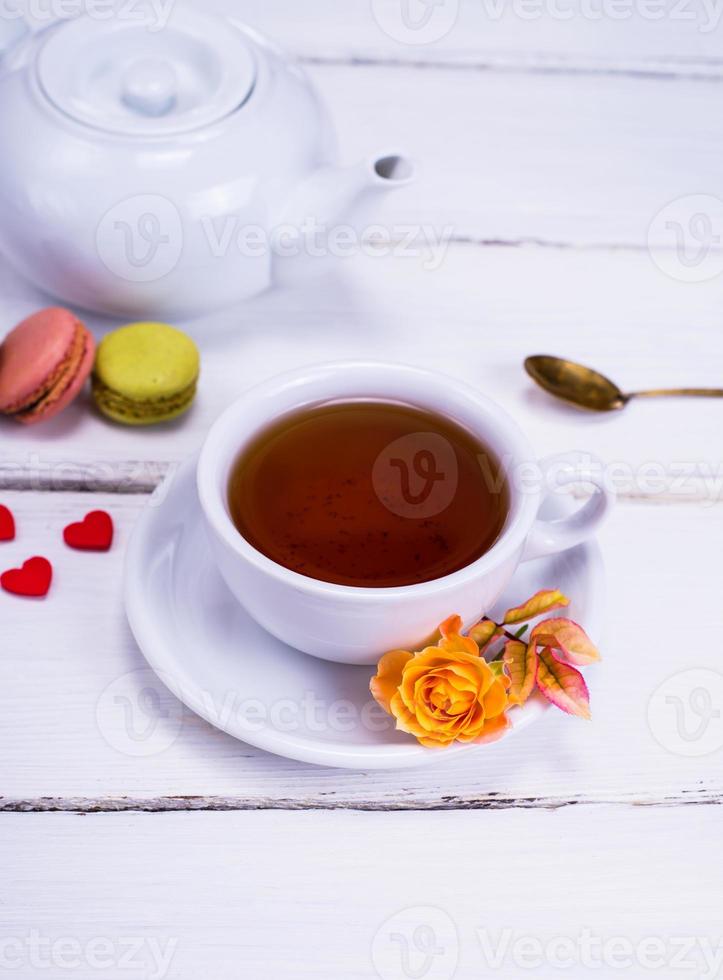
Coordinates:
<point>547,146</point>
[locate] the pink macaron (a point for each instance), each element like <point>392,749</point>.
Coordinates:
<point>44,362</point>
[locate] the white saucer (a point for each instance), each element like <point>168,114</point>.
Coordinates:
<point>227,669</point>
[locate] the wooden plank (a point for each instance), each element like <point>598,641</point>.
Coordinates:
<point>61,657</point>
<point>513,158</point>
<point>341,894</point>
<point>537,36</point>
<point>668,37</point>
<point>475,317</point>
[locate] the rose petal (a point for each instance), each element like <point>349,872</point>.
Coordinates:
<point>436,743</point>
<point>435,658</point>
<point>417,682</point>
<point>492,731</point>
<point>495,700</point>
<point>562,685</point>
<point>404,717</point>
<point>450,626</point>
<point>412,725</point>
<point>468,677</point>
<point>458,682</point>
<point>388,677</point>
<point>540,603</point>
<point>435,697</point>
<point>455,642</point>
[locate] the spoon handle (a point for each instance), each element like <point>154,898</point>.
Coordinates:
<point>685,392</point>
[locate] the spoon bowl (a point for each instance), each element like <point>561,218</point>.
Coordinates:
<point>576,384</point>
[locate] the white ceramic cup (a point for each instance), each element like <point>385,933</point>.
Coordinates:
<point>357,625</point>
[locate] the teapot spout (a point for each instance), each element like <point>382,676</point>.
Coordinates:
<point>333,196</point>
<point>392,170</point>
<point>330,204</point>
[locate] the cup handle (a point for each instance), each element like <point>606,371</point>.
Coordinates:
<point>567,469</point>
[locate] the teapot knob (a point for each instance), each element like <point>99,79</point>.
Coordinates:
<point>150,86</point>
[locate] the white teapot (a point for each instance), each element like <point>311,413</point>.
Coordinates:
<point>153,171</point>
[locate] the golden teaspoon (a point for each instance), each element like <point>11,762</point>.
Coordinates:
<point>586,388</point>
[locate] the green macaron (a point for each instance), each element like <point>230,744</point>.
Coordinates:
<point>145,373</point>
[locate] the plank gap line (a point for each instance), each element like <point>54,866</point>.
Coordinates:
<point>666,71</point>
<point>183,804</point>
<point>88,484</point>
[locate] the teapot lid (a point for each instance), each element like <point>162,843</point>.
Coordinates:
<point>130,78</point>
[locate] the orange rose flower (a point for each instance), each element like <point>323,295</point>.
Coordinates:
<point>446,693</point>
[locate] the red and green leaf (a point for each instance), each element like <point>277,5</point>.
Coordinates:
<point>540,603</point>
<point>562,685</point>
<point>520,660</point>
<point>483,633</point>
<point>569,638</point>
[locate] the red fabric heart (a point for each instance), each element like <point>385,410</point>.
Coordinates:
<point>33,579</point>
<point>93,533</point>
<point>7,524</point>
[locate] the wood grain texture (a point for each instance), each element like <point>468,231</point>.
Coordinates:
<point>70,672</point>
<point>320,895</point>
<point>671,40</point>
<point>475,317</point>
<point>545,148</point>
<point>513,159</point>
<point>667,39</point>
